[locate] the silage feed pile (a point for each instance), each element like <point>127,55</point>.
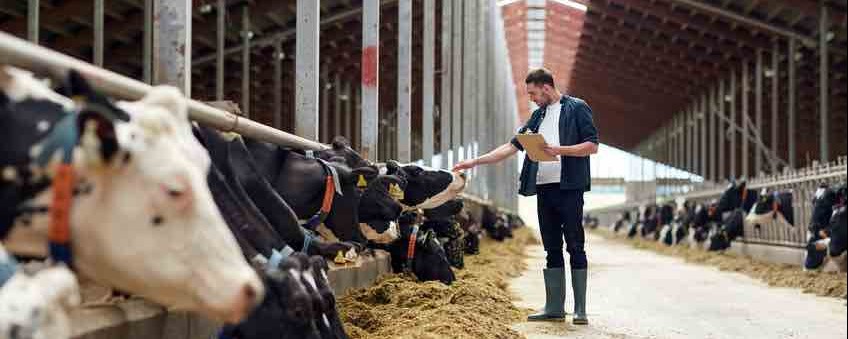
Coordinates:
<point>477,305</point>
<point>827,284</point>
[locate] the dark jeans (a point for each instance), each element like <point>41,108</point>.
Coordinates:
<point>561,216</point>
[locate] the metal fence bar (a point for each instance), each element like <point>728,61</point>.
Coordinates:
<point>404,82</point>
<point>33,20</point>
<point>428,93</point>
<point>306,68</point>
<point>19,53</point>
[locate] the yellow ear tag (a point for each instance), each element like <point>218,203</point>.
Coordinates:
<point>361,183</point>
<point>396,192</point>
<point>340,258</point>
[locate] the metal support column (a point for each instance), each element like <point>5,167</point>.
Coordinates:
<point>278,85</point>
<point>245,60</point>
<point>469,82</point>
<point>704,134</point>
<point>691,136</point>
<point>824,85</point>
<point>370,78</point>
<point>324,107</point>
<point>458,80</point>
<point>404,81</point>
<point>722,145</point>
<point>711,115</point>
<point>306,68</point>
<point>733,171</point>
<point>446,77</point>
<point>219,51</point>
<point>171,57</point>
<point>775,93</point>
<point>746,170</point>
<point>791,96</point>
<point>347,117</point>
<point>32,21</point>
<point>758,110</point>
<point>337,106</point>
<point>147,44</point>
<point>98,32</point>
<point>428,93</point>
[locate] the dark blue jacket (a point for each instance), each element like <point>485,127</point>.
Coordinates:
<point>575,127</point>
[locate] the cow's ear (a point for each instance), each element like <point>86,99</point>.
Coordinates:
<point>340,143</point>
<point>97,136</point>
<point>80,91</point>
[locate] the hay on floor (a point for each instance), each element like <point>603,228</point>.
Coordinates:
<point>477,305</point>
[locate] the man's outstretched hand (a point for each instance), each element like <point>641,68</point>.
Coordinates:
<point>464,165</point>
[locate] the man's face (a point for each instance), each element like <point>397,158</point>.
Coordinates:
<point>538,94</point>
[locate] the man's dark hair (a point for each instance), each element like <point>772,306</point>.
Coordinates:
<point>540,77</point>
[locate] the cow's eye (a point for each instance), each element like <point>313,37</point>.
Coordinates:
<point>174,193</point>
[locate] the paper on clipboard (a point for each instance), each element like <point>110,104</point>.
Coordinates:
<point>534,145</point>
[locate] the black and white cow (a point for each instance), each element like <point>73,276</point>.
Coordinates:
<point>733,205</point>
<point>772,209</point>
<point>443,221</point>
<point>427,188</point>
<point>419,251</point>
<point>827,230</point>
<point>622,221</point>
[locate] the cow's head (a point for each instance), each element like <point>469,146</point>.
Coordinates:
<point>838,232</point>
<point>380,201</point>
<point>146,222</point>
<point>427,188</point>
<point>737,195</point>
<point>341,151</point>
<point>823,202</point>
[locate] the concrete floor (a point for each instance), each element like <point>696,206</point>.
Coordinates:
<point>640,294</point>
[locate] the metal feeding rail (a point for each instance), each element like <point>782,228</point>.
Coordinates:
<point>40,60</point>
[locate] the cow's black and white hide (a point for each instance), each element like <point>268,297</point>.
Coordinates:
<point>340,151</point>
<point>34,305</point>
<point>379,208</point>
<point>733,205</point>
<point>429,261</point>
<point>590,221</point>
<point>678,230</point>
<point>650,225</point>
<point>443,221</point>
<point>495,224</point>
<point>427,188</point>
<point>771,209</point>
<point>705,220</point>
<point>472,230</point>
<point>515,221</point>
<point>266,220</point>
<point>824,201</point>
<point>301,182</point>
<point>299,304</point>
<point>622,221</point>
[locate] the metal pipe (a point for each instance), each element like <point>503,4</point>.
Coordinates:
<point>775,92</point>
<point>147,44</point>
<point>704,134</point>
<point>324,107</point>
<point>746,20</point>
<point>758,108</point>
<point>790,124</point>
<point>337,106</point>
<point>733,104</point>
<point>98,32</point>
<point>40,60</point>
<point>219,51</point>
<point>745,105</point>
<point>404,84</point>
<point>469,81</point>
<point>306,68</point>
<point>722,146</point>
<point>446,77</point>
<point>172,44</point>
<point>278,86</point>
<point>245,60</point>
<point>712,123</point>
<point>347,115</point>
<point>33,20</point>
<point>824,84</point>
<point>458,80</point>
<point>427,86</point>
<point>370,78</point>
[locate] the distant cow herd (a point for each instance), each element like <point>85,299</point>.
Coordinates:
<point>135,197</point>
<point>715,225</point>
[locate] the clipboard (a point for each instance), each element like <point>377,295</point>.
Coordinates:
<point>534,145</point>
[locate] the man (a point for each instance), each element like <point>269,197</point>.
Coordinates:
<point>567,126</point>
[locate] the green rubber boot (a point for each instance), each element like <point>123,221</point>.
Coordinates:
<point>554,296</point>
<point>578,284</point>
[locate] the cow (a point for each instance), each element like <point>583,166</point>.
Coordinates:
<point>426,188</point>
<point>305,183</point>
<point>623,220</point>
<point>824,200</point>
<point>143,219</point>
<point>419,251</point>
<point>676,232</point>
<point>703,221</point>
<point>471,228</point>
<point>443,221</point>
<point>590,221</point>
<point>772,208</point>
<point>733,205</point>
<point>35,304</point>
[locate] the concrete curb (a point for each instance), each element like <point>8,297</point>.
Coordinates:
<point>140,319</point>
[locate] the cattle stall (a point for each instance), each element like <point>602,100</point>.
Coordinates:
<point>365,70</point>
<point>802,183</point>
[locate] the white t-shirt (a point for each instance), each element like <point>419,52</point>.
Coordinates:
<point>550,172</point>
